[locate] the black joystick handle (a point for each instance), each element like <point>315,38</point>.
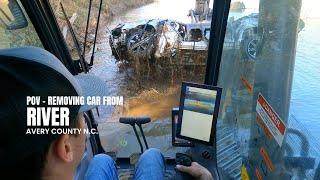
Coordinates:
<point>185,160</point>
<point>142,120</point>
<point>137,121</point>
<point>127,120</point>
<point>134,120</point>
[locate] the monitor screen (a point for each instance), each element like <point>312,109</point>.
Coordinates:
<point>198,111</point>
<point>176,141</point>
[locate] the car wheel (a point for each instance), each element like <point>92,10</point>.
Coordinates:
<point>249,45</point>
<point>139,43</point>
<point>252,48</point>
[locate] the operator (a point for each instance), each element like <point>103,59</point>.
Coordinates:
<point>52,156</point>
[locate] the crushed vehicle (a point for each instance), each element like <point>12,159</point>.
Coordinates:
<point>153,39</point>
<point>149,41</point>
<point>163,38</point>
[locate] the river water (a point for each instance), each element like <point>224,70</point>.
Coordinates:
<point>157,102</point>
<point>305,98</point>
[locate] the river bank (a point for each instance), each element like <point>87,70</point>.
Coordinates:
<point>115,8</point>
<point>77,13</point>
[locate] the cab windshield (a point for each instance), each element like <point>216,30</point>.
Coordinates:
<point>152,88</point>
<point>269,74</point>
<point>149,87</point>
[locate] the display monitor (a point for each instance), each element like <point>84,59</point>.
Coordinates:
<point>198,112</point>
<point>176,141</point>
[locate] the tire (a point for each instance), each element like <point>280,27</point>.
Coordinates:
<point>144,50</point>
<point>113,50</point>
<point>249,45</point>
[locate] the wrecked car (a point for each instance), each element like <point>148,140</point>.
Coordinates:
<point>153,39</point>
<point>184,44</point>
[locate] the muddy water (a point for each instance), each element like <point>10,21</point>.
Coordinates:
<point>143,95</point>
<point>153,96</point>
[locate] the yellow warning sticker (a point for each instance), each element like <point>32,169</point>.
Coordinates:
<point>244,173</point>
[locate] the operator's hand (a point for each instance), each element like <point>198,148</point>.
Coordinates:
<point>196,170</point>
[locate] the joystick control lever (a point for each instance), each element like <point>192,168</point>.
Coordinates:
<point>127,120</point>
<point>185,160</point>
<point>142,120</point>
<point>137,121</point>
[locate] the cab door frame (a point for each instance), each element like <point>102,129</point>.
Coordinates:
<point>217,34</point>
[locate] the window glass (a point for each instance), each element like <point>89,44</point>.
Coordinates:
<point>270,86</point>
<point>145,59</point>
<point>10,36</point>
<point>76,12</point>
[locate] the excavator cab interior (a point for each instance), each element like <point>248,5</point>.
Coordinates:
<point>256,51</point>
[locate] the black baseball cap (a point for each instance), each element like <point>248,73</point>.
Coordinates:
<point>31,71</point>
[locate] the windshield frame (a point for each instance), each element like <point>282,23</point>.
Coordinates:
<point>217,34</point>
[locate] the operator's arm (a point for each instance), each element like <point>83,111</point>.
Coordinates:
<point>196,170</point>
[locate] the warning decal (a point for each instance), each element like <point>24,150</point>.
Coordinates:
<point>247,84</point>
<point>266,159</point>
<point>264,127</point>
<point>271,119</point>
<point>258,174</point>
<point>244,173</point>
